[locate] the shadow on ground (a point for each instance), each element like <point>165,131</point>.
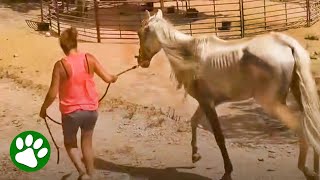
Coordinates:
<point>146,172</point>
<point>247,122</point>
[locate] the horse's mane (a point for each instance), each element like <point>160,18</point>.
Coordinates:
<point>187,54</point>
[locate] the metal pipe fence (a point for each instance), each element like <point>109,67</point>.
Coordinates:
<point>228,19</point>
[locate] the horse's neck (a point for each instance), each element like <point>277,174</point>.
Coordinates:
<point>167,34</point>
<point>179,49</point>
<point>175,44</point>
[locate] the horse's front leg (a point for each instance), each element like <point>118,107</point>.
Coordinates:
<point>194,124</point>
<point>218,134</point>
<point>205,99</point>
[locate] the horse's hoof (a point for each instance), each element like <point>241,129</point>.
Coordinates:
<point>226,177</point>
<point>312,178</point>
<point>310,175</point>
<point>196,157</point>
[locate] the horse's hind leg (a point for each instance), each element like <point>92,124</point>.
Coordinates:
<point>282,112</point>
<point>194,124</point>
<point>303,143</point>
<point>309,174</point>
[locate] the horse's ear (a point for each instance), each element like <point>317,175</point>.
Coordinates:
<point>159,13</point>
<point>147,15</point>
<point>146,29</point>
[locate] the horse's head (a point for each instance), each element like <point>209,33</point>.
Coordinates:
<point>149,43</point>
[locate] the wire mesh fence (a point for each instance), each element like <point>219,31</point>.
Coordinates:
<point>228,19</point>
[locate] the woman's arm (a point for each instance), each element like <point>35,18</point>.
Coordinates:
<point>100,71</point>
<point>53,90</point>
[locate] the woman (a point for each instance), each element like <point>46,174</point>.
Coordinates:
<point>72,77</point>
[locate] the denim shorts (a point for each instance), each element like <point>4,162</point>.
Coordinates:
<point>85,120</point>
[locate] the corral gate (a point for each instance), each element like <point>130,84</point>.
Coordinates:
<point>226,18</point>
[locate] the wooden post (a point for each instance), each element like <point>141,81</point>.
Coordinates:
<point>186,5</point>
<point>162,5</point>
<point>41,6</point>
<point>49,8</point>
<point>308,12</point>
<point>68,3</point>
<point>119,25</point>
<point>96,13</point>
<point>57,14</point>
<point>265,14</point>
<point>215,16</point>
<point>286,11</point>
<point>177,3</point>
<point>241,18</point>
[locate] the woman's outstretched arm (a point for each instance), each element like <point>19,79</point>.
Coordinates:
<point>53,90</point>
<point>100,71</point>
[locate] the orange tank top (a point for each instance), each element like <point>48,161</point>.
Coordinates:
<point>78,91</point>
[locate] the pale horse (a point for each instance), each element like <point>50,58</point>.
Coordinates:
<point>214,71</point>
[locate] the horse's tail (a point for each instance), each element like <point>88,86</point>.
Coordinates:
<point>308,90</point>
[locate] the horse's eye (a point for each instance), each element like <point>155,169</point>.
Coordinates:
<point>146,29</point>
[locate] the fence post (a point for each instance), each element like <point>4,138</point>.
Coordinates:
<point>41,6</point>
<point>49,9</point>
<point>119,25</point>
<point>265,14</point>
<point>57,13</point>
<point>241,18</point>
<point>286,11</point>
<point>190,26</point>
<point>68,3</point>
<point>308,12</point>
<point>162,5</point>
<point>96,13</point>
<point>215,17</point>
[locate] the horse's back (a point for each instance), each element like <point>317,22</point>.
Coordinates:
<point>261,63</point>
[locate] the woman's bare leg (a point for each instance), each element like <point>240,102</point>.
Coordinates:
<point>75,157</point>
<point>87,151</point>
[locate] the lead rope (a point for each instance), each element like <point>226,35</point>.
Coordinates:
<point>59,123</point>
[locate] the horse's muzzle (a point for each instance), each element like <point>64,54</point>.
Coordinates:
<point>142,63</point>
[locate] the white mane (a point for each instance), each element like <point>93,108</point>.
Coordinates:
<point>186,53</point>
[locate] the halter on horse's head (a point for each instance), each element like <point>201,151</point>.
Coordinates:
<point>149,43</point>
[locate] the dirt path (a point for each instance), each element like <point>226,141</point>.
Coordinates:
<point>150,145</point>
<point>133,138</point>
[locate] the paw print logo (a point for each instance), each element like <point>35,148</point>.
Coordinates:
<point>30,151</point>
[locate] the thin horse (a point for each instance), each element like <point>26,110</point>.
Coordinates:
<point>214,71</point>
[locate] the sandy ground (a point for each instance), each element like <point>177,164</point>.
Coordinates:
<point>134,138</point>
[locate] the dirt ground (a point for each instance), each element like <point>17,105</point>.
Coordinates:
<point>134,138</point>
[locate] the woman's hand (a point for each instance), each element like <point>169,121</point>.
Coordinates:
<point>43,113</point>
<point>114,78</point>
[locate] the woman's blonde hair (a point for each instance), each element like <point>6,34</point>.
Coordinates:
<point>68,39</point>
